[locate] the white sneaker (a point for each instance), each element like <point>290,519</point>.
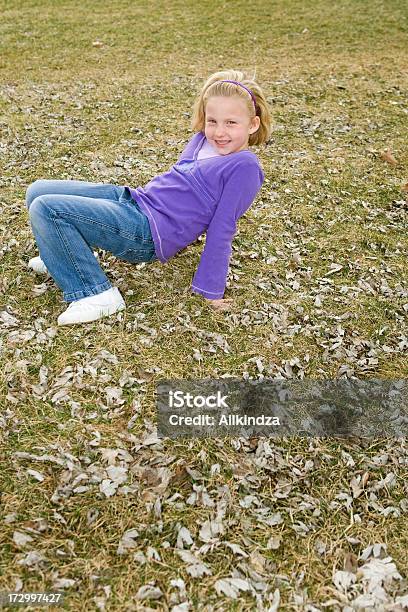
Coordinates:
<point>93,307</point>
<point>37,264</point>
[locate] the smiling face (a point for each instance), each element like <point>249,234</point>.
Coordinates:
<point>228,124</point>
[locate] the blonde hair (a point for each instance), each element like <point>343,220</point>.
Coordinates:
<point>212,87</point>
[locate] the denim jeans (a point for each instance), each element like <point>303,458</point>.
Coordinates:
<point>69,218</point>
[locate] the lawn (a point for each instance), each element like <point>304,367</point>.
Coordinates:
<point>93,503</point>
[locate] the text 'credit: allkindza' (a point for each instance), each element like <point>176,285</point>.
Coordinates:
<point>275,408</point>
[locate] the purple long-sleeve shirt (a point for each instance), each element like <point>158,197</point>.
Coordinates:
<point>201,195</point>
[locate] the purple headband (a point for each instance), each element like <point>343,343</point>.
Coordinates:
<point>241,85</point>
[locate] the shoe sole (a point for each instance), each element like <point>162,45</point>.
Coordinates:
<point>104,312</point>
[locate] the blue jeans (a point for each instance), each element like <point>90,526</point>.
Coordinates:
<point>69,218</point>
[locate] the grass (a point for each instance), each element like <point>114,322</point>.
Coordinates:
<point>334,75</point>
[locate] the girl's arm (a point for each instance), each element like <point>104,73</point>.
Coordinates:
<point>238,194</point>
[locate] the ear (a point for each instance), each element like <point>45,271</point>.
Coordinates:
<point>256,122</point>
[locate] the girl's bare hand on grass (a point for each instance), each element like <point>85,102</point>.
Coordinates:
<point>221,304</point>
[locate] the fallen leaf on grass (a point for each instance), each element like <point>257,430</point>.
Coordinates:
<point>21,539</point>
<point>379,571</point>
<point>152,554</point>
<point>237,550</point>
<point>140,557</point>
<point>387,156</point>
<point>195,567</point>
<point>37,475</point>
<point>180,478</point>
<point>101,600</point>
<point>378,550</point>
<point>128,541</point>
<point>7,320</point>
<point>257,561</point>
<point>39,289</point>
<point>63,583</point>
<point>200,497</point>
<point>274,607</point>
<point>111,454</point>
<point>156,480</point>
<point>185,606</point>
<point>210,530</point>
<point>117,474</point>
<point>149,591</point>
<point>334,267</point>
<point>350,562</point>
<point>274,542</point>
<point>343,580</point>
<point>355,487</point>
<point>91,516</point>
<point>114,396</point>
<point>108,487</point>
<point>231,587</point>
<point>184,537</point>
<point>32,559</point>
<point>10,518</point>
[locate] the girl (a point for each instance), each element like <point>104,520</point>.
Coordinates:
<point>212,184</point>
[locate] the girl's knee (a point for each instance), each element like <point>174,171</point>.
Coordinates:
<point>39,187</point>
<point>34,207</point>
<point>39,210</point>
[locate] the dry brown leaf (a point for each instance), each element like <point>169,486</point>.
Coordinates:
<point>240,470</point>
<point>148,496</point>
<point>181,478</point>
<point>151,477</point>
<point>350,563</point>
<point>364,479</point>
<point>387,156</point>
<point>143,375</point>
<point>257,561</point>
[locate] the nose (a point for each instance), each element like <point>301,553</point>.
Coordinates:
<point>219,131</point>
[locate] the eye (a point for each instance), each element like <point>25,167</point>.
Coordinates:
<point>231,121</point>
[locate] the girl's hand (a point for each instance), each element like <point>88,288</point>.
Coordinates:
<point>221,304</point>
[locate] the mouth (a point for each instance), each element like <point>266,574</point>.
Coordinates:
<point>221,143</point>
